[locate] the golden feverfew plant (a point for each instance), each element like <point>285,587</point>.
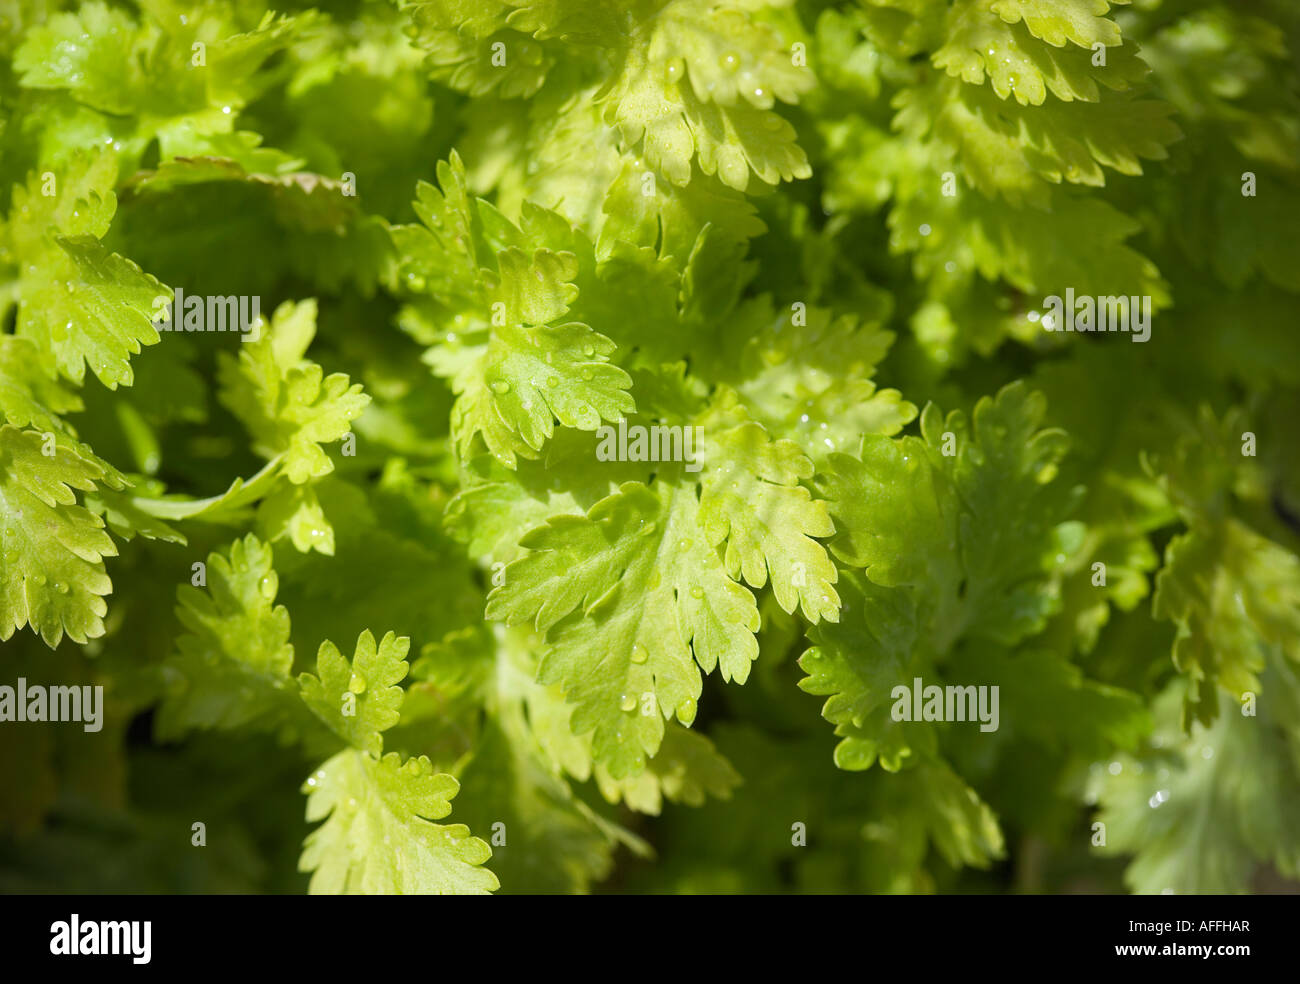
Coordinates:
<point>551,446</point>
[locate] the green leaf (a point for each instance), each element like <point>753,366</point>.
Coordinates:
<point>442,252</point>
<point>52,552</point>
<point>551,844</point>
<point>705,85</point>
<point>82,52</point>
<point>78,302</point>
<point>1059,21</point>
<point>358,698</point>
<point>751,500</point>
<point>1046,699</point>
<point>284,399</point>
<point>231,666</point>
<point>960,824</point>
<point>179,81</point>
<point>980,44</point>
<point>1231,594</point>
<point>926,512</point>
<point>471,47</point>
<point>685,769</point>
<point>856,665</point>
<point>378,837</point>
<point>1200,812</point>
<point>651,606</point>
<point>516,364</point>
<point>29,397</point>
<point>533,373</point>
<point>812,385</point>
<point>295,511</point>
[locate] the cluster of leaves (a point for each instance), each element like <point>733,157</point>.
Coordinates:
<point>485,231</point>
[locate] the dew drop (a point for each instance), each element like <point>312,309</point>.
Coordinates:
<point>39,579</point>
<point>639,653</point>
<point>552,381</point>
<point>589,350</point>
<point>60,587</point>
<point>500,386</point>
<point>268,585</point>
<point>686,710</point>
<point>357,684</point>
<point>627,702</point>
<point>697,591</point>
